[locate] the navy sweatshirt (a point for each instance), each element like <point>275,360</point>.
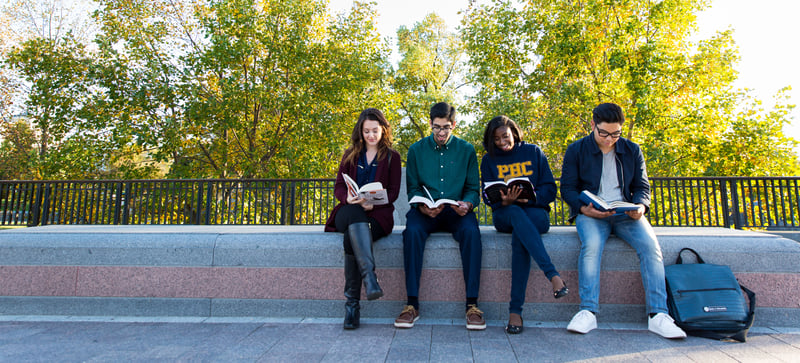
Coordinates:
<point>523,160</point>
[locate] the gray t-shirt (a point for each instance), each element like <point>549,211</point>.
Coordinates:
<point>609,184</point>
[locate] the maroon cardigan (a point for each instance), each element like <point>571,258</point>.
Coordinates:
<point>388,175</point>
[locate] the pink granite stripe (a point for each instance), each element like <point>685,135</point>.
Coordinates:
<point>777,290</point>
<point>37,280</point>
<point>617,287</point>
<point>215,282</point>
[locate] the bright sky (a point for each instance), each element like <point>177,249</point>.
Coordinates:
<point>765,32</point>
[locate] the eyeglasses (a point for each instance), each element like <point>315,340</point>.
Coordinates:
<point>604,133</point>
<point>436,128</point>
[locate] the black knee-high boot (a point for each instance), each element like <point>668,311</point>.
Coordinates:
<point>352,291</point>
<point>361,241</point>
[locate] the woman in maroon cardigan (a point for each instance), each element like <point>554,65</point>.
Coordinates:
<point>369,158</point>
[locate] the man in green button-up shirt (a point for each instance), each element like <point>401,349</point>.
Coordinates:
<point>448,168</point>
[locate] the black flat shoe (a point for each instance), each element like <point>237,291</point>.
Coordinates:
<point>514,329</point>
<point>561,293</point>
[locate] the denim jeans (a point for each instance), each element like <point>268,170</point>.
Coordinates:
<point>526,224</point>
<point>465,231</point>
<point>638,234</point>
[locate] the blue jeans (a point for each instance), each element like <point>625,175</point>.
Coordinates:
<point>526,224</point>
<point>465,231</point>
<point>638,234</point>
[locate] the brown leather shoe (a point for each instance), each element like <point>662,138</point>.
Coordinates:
<point>407,317</point>
<point>475,318</point>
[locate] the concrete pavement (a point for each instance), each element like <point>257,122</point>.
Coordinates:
<point>114,339</point>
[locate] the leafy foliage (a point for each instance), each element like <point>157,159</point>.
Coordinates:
<point>275,85</point>
<point>431,70</point>
<point>272,89</point>
<point>754,143</point>
<point>230,89</point>
<point>17,154</point>
<point>547,64</point>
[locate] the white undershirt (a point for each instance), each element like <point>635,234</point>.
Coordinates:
<point>609,183</point>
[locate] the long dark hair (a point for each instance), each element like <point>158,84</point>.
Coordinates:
<point>357,143</point>
<point>494,124</point>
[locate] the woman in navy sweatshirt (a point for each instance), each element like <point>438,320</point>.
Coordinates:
<point>507,157</point>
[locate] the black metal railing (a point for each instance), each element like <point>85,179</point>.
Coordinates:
<point>731,202</point>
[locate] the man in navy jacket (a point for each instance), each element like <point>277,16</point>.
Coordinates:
<point>613,168</point>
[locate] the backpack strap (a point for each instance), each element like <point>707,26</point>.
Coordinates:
<point>680,259</point>
<point>751,298</point>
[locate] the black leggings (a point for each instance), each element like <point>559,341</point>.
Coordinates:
<point>354,213</point>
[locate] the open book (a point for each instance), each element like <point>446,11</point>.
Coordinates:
<point>429,200</point>
<point>618,206</point>
<point>374,192</point>
<point>492,189</point>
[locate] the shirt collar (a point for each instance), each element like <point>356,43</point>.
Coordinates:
<point>436,146</point>
<point>618,147</point>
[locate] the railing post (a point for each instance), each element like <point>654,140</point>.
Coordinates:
<point>209,194</point>
<point>291,205</point>
<point>287,202</point>
<point>45,205</point>
<point>118,203</point>
<point>36,207</point>
<point>198,212</point>
<point>283,203</point>
<point>126,211</point>
<point>723,194</point>
<point>737,220</point>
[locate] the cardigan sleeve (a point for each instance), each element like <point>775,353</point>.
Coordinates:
<point>340,188</point>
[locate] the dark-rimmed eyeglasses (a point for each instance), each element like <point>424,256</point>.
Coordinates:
<point>604,133</point>
<point>436,128</point>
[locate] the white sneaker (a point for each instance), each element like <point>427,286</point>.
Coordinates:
<point>583,322</point>
<point>663,325</point>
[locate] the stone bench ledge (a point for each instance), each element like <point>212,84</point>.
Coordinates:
<point>297,271</point>
<point>309,246</point>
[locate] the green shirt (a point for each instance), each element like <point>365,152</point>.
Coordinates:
<point>449,171</point>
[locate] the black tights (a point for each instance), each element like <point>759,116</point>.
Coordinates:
<point>354,213</point>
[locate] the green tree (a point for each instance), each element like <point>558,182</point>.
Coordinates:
<point>549,63</point>
<point>8,83</point>
<point>501,43</point>
<point>22,20</point>
<point>754,143</point>
<point>77,137</point>
<point>231,88</point>
<point>17,151</point>
<point>275,86</point>
<point>139,64</point>
<point>431,69</point>
<point>8,88</point>
<point>58,92</point>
